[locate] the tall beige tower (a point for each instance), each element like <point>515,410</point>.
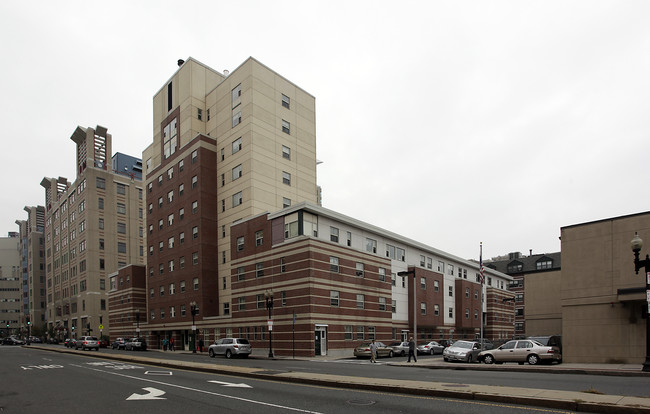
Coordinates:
<point>32,251</point>
<point>93,226</point>
<point>226,146</point>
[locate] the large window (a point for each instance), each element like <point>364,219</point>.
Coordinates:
<point>170,138</point>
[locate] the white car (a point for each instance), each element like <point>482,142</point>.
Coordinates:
<point>430,348</point>
<point>466,351</point>
<point>230,347</point>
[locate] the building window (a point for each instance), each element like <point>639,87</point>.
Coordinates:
<point>286,202</point>
<point>181,237</point>
<point>237,199</point>
<point>371,245</point>
<point>181,262</point>
<point>436,286</point>
<point>382,304</point>
<point>242,303</point>
<point>286,127</point>
<point>423,308</point>
<point>236,145</point>
<point>241,272</point>
<point>361,301</point>
<point>286,152</point>
<point>170,138</point>
<point>100,203</point>
<point>195,155</point>
<point>441,267</point>
<point>382,274</point>
<point>240,244</point>
<point>360,333</point>
<point>195,283</point>
<point>199,114</point>
<point>101,183</point>
<point>195,258</point>
<point>334,298</point>
<point>181,164</point>
<point>359,270</point>
<point>226,308</point>
<point>259,269</point>
<point>436,310</point>
<point>334,234</point>
<point>121,208</point>
<point>451,312</point>
<point>334,264</point>
<point>286,102</point>
<point>236,172</point>
<point>195,232</point>
<point>181,286</point>
<point>286,178</point>
<point>451,291</point>
<point>348,335</point>
<point>120,189</point>
<point>423,283</point>
<point>544,264</point>
<point>195,181</point>
<point>121,228</point>
<point>259,238</point>
<point>236,118</point>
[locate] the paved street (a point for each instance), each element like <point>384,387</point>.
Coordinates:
<point>36,381</point>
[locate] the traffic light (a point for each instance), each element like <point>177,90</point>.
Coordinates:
<point>72,328</point>
<point>28,322</point>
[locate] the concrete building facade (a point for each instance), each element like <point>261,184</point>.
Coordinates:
<point>11,315</point>
<point>604,304</point>
<point>93,227</point>
<point>32,251</point>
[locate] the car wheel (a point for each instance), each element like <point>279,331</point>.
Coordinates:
<point>211,353</point>
<point>432,352</point>
<point>488,359</point>
<point>445,359</point>
<point>390,354</point>
<point>469,358</point>
<point>533,359</point>
<point>228,354</point>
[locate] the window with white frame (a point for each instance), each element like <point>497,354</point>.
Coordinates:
<point>334,298</point>
<point>361,300</point>
<point>286,127</point>
<point>359,269</point>
<point>236,145</point>
<point>334,264</point>
<point>286,152</point>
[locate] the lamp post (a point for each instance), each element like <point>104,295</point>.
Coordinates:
<point>415,313</point>
<point>636,245</point>
<point>193,312</point>
<point>268,297</point>
<point>137,322</point>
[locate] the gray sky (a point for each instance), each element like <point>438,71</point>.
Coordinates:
<point>452,123</point>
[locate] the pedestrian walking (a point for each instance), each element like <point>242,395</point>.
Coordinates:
<point>171,343</point>
<point>373,351</point>
<point>412,352</point>
<point>164,344</point>
<point>201,345</point>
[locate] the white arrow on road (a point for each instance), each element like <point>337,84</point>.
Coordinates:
<point>230,384</point>
<point>152,394</point>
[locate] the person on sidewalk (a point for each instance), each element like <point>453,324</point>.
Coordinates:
<point>164,344</point>
<point>171,343</point>
<point>412,352</point>
<point>373,352</point>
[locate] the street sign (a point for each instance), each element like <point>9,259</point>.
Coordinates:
<point>647,278</point>
<point>647,295</point>
<point>101,326</point>
<point>270,324</point>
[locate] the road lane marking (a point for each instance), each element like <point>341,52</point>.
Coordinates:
<point>231,384</point>
<point>216,394</point>
<point>158,373</point>
<point>152,394</point>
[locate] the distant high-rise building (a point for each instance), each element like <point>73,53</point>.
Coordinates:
<point>32,257</point>
<point>11,316</point>
<point>93,226</point>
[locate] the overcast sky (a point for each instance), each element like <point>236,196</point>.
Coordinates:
<point>452,123</point>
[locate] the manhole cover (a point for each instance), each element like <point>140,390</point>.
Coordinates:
<point>361,402</point>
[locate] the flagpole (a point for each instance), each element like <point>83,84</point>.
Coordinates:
<point>482,277</point>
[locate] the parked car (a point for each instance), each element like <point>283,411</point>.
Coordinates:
<point>523,350</point>
<point>363,350</point>
<point>69,342</point>
<point>87,342</point>
<point>52,341</point>
<point>230,347</point>
<point>550,340</point>
<point>446,342</point>
<point>103,343</point>
<point>466,351</point>
<point>12,341</point>
<point>485,344</point>
<point>136,344</point>
<point>400,348</point>
<point>35,340</point>
<point>119,343</point>
<point>432,348</point>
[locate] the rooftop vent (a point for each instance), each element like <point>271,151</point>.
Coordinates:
<point>180,62</point>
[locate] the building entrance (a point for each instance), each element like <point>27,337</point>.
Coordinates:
<point>320,342</point>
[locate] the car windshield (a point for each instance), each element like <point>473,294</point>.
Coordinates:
<point>463,344</point>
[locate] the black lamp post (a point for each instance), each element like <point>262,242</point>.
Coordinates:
<point>415,308</point>
<point>137,322</point>
<point>268,296</point>
<point>636,245</point>
<point>193,312</point>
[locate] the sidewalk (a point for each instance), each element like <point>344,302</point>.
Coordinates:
<point>556,399</point>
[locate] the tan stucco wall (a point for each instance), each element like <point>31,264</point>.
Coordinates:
<point>598,324</point>
<point>543,310</point>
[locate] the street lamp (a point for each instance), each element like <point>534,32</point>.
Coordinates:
<point>415,313</point>
<point>137,322</point>
<point>193,312</point>
<point>268,297</point>
<point>636,245</point>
